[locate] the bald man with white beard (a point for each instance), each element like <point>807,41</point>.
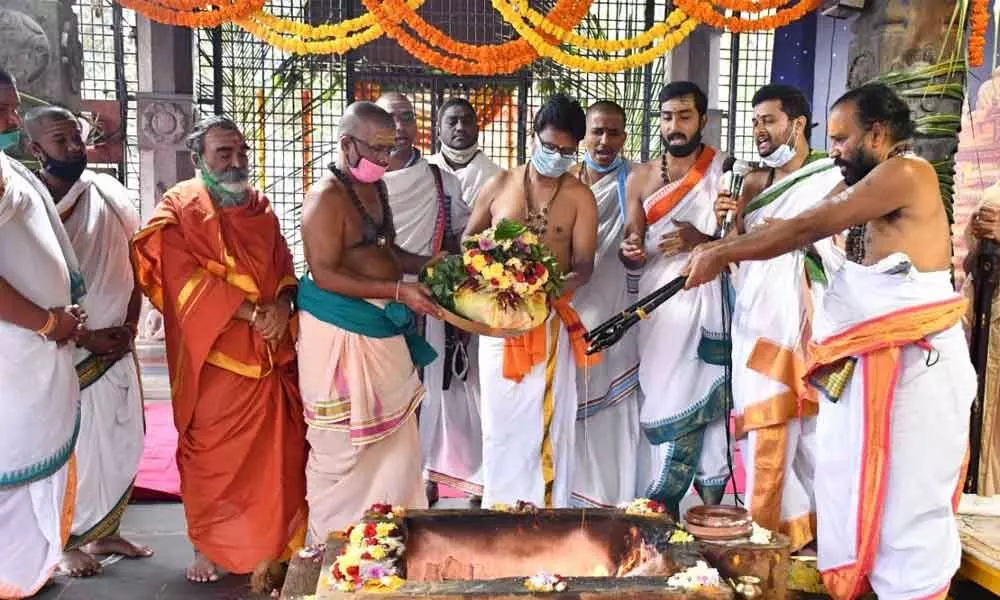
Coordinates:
<point>429,216</point>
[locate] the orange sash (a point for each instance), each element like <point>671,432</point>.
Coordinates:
<point>522,353</point>
<point>879,341</point>
<point>671,195</point>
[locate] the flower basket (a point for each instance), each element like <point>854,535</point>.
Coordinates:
<point>501,284</point>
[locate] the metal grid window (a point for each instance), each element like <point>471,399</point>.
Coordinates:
<point>111,73</point>
<point>289,107</point>
<point>745,66</point>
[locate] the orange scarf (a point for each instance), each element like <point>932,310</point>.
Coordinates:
<point>662,206</point>
<point>522,353</point>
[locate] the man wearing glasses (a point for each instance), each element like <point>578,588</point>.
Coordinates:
<point>429,215</point>
<point>669,204</point>
<point>359,350</point>
<point>529,413</point>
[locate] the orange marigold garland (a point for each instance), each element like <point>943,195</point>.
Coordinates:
<point>465,59</point>
<point>750,6</point>
<point>705,12</point>
<point>977,35</point>
<point>193,13</point>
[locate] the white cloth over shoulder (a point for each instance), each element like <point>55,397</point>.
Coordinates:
<point>472,176</point>
<point>607,427</point>
<point>683,355</point>
<point>415,204</point>
<point>39,394</point>
<point>100,221</point>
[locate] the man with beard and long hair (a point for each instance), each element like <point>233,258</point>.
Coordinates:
<point>682,352</point>
<point>100,220</point>
<point>607,418</point>
<point>39,391</point>
<point>451,433</point>
<point>888,355</point>
<point>360,348</point>
<point>528,383</point>
<point>775,411</point>
<point>212,259</point>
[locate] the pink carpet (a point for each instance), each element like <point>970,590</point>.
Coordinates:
<point>158,478</point>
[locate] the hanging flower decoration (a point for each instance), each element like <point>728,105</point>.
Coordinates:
<point>465,59</point>
<point>297,37</point>
<point>567,36</point>
<point>977,35</point>
<point>193,13</point>
<point>592,65</point>
<point>750,6</point>
<point>705,12</point>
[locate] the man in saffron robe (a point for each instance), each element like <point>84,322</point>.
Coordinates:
<point>39,391</point>
<point>775,410</point>
<point>100,221</point>
<point>607,420</point>
<point>213,261</point>
<point>360,349</point>
<point>670,210</point>
<point>888,355</point>
<point>528,383</point>
<point>451,432</point>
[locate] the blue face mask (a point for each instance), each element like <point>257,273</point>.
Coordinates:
<point>9,139</point>
<point>549,163</point>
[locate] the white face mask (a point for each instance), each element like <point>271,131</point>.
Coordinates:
<point>460,157</point>
<point>781,155</point>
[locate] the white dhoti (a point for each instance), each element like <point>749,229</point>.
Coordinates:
<point>770,328</point>
<point>100,221</point>
<point>450,431</point>
<point>39,392</point>
<point>607,425</point>
<point>891,360</point>
<point>529,425</point>
<point>683,353</point>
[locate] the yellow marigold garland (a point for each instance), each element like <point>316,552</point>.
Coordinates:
<point>466,59</point>
<point>193,13</point>
<point>590,65</point>
<point>750,6</point>
<point>543,23</point>
<point>704,11</point>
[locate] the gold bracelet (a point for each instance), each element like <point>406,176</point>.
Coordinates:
<point>50,325</point>
<point>397,289</point>
<point>253,315</point>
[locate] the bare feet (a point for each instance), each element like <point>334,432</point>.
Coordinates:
<point>202,570</point>
<point>116,544</point>
<point>77,563</point>
<point>268,576</point>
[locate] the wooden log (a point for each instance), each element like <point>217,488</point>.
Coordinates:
<point>583,588</point>
<point>303,573</point>
<point>766,562</point>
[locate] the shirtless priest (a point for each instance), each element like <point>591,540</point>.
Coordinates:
<point>529,405</point>
<point>359,348</point>
<point>888,354</point>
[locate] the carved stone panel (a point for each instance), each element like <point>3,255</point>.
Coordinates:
<point>41,48</point>
<point>164,121</point>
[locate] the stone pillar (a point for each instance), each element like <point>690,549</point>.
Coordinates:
<point>166,113</point>
<point>697,60</point>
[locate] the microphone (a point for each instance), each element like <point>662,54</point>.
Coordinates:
<point>733,172</point>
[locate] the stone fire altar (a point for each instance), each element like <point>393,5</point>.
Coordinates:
<point>597,554</point>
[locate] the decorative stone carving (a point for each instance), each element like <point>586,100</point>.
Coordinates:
<point>41,48</point>
<point>164,121</point>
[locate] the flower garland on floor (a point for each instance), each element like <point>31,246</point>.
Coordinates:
<point>592,65</point>
<point>977,35</point>
<point>705,12</point>
<point>297,37</point>
<point>193,13</point>
<point>466,59</point>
